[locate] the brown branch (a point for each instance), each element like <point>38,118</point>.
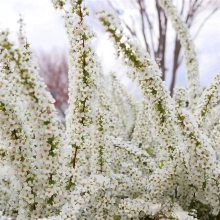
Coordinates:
<point>161,50</point>
<point>157,47</point>
<point>194,7</point>
<point>182,7</point>
<point>150,25</point>
<point>132,32</point>
<point>141,10</point>
<point>163,55</point>
<point>205,21</point>
<point>177,49</point>
<point>193,10</point>
<point>129,28</point>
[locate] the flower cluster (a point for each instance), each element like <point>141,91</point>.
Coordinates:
<point>115,157</point>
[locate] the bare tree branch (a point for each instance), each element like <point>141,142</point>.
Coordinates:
<point>176,54</point>
<point>150,25</point>
<point>205,21</point>
<point>141,10</point>
<point>129,28</point>
<point>189,11</point>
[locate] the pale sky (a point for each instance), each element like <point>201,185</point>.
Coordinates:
<point>45,31</point>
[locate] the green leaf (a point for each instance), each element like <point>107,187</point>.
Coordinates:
<point>161,164</point>
<point>116,217</point>
<point>150,151</point>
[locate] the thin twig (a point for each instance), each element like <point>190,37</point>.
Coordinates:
<point>141,10</point>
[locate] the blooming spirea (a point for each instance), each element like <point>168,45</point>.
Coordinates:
<point>115,157</point>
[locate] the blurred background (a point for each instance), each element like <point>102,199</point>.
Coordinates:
<point>143,20</point>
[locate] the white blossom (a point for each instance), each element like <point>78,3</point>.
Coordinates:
<point>115,157</point>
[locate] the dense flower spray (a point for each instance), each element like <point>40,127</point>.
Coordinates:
<point>115,157</point>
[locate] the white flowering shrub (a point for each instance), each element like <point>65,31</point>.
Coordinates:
<point>115,158</point>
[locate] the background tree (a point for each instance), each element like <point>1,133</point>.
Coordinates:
<point>148,20</point>
<point>54,69</point>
